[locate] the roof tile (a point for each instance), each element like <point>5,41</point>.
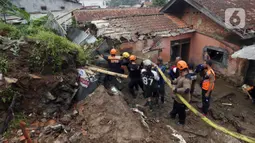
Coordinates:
<point>83,16</point>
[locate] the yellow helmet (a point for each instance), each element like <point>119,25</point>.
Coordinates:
<point>125,55</point>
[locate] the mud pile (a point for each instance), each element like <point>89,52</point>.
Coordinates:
<point>108,119</point>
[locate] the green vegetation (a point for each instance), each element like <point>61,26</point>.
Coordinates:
<point>7,95</point>
<point>116,3</point>
<point>6,7</point>
<point>51,48</point>
<point>159,2</point>
<point>3,64</point>
<point>15,124</point>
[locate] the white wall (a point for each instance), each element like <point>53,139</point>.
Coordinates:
<point>34,6</point>
<point>101,3</point>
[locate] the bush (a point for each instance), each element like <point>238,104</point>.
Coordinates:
<point>52,49</point>
<point>9,30</point>
<point>3,64</point>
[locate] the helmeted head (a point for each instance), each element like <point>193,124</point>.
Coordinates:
<point>113,51</point>
<point>132,58</point>
<point>125,55</point>
<point>147,64</point>
<point>209,63</point>
<point>182,65</point>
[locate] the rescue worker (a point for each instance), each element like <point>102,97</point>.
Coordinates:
<point>114,62</point>
<point>125,61</point>
<point>193,77</point>
<point>173,72</point>
<point>161,82</point>
<point>134,75</point>
<point>207,86</point>
<point>182,87</point>
<point>150,80</point>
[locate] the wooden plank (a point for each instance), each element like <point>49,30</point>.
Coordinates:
<point>107,72</point>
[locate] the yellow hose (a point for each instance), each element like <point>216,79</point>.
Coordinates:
<point>208,121</point>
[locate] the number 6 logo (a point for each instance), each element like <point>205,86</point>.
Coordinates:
<point>235,18</point>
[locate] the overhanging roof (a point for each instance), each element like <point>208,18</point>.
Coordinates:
<point>215,10</point>
<point>245,53</point>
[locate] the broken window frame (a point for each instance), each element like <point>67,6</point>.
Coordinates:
<point>224,62</point>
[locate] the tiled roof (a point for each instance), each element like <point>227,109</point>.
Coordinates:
<point>83,16</point>
<point>131,26</point>
<point>215,9</point>
<point>219,7</point>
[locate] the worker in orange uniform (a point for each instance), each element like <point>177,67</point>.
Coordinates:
<point>134,75</point>
<point>114,62</point>
<point>182,87</point>
<point>207,86</point>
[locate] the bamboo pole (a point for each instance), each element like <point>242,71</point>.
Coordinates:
<point>107,72</point>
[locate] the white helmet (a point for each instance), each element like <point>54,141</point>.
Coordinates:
<point>147,62</point>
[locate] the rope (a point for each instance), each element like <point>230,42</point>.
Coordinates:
<point>208,121</point>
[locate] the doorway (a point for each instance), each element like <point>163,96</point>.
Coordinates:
<point>249,79</point>
<point>180,48</point>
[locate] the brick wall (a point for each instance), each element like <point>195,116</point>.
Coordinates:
<point>203,24</point>
<point>235,69</point>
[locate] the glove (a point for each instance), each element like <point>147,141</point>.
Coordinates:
<point>175,90</point>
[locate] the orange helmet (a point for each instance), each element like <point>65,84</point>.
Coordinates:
<point>132,58</point>
<point>181,65</point>
<point>113,51</point>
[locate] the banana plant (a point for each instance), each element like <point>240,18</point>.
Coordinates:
<point>6,7</point>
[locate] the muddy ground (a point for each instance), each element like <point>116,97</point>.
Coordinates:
<point>238,117</point>
<point>105,117</point>
<point>108,118</point>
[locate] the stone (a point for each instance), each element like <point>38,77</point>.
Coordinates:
<point>57,128</point>
<point>75,113</point>
<point>49,96</point>
<point>75,138</point>
<point>66,119</point>
<point>68,129</point>
<point>43,120</point>
<point>59,100</point>
<point>19,132</point>
<point>50,123</point>
<point>51,110</point>
<point>65,95</point>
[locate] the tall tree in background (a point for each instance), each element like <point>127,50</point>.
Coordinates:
<point>158,2</point>
<point>116,3</point>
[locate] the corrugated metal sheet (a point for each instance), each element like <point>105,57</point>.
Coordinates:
<point>245,53</point>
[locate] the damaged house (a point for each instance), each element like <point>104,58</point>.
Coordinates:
<point>213,36</point>
<point>143,31</point>
<point>186,28</point>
